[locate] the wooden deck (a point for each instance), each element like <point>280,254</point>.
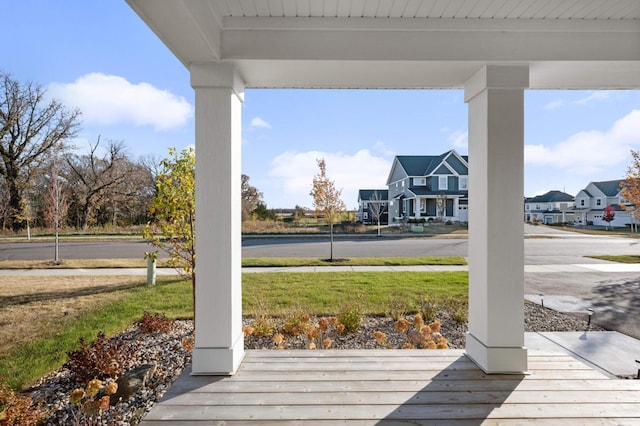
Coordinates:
<point>397,387</point>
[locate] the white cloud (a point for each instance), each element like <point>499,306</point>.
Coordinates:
<point>590,152</point>
<point>259,122</point>
<point>110,99</point>
<point>459,140</point>
<point>553,105</point>
<point>383,149</point>
<point>294,171</point>
<point>597,95</point>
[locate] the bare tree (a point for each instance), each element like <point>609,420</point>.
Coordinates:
<point>31,129</point>
<point>55,208</point>
<point>326,198</point>
<point>441,205</point>
<point>377,206</point>
<point>251,197</point>
<point>95,178</point>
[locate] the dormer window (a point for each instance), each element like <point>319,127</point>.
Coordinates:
<point>419,181</point>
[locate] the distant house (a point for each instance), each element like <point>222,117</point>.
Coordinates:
<point>372,202</point>
<point>552,207</point>
<point>430,187</point>
<point>591,201</point>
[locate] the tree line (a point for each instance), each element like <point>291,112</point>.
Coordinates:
<point>44,182</point>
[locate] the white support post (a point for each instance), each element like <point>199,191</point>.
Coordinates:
<point>219,343</point>
<point>495,341</point>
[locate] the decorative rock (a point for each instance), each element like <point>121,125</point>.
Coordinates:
<point>131,382</point>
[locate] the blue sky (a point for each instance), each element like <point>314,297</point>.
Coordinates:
<point>100,57</point>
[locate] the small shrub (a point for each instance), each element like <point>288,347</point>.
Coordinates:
<point>296,324</point>
<point>396,307</point>
<point>152,323</point>
<point>18,409</point>
<point>428,308</point>
<point>350,318</point>
<point>102,359</point>
<point>262,327</point>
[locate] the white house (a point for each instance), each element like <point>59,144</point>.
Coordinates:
<point>591,201</point>
<point>549,208</point>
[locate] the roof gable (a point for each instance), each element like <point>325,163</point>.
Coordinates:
<point>366,194</point>
<point>610,188</point>
<point>551,197</point>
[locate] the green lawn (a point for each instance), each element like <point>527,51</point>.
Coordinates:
<point>270,294</point>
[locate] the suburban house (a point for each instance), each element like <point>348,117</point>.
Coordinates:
<point>430,187</point>
<point>591,201</point>
<point>373,203</point>
<point>549,208</point>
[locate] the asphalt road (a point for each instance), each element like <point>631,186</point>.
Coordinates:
<point>555,248</point>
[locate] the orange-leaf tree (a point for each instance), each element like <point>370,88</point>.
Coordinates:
<point>631,186</point>
<point>174,212</point>
<point>326,198</point>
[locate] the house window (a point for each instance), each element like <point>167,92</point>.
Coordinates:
<point>423,205</point>
<point>598,202</point>
<point>527,206</point>
<point>463,183</point>
<point>581,203</point>
<point>365,215</point>
<point>537,206</point>
<point>419,181</point>
<point>443,182</point>
<point>365,205</point>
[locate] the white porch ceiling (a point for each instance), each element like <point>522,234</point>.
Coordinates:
<point>404,43</point>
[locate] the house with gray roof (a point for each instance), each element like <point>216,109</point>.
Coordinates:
<point>552,207</point>
<point>371,204</point>
<point>429,186</point>
<point>591,201</point>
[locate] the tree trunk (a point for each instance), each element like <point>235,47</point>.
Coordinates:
<point>331,239</point>
<point>15,207</point>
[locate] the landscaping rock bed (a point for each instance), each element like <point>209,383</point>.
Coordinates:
<point>170,354</point>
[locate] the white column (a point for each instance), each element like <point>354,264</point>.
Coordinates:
<point>456,207</point>
<point>495,340</point>
<point>219,343</point>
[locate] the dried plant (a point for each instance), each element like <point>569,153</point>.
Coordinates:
<point>101,360</point>
<point>152,323</point>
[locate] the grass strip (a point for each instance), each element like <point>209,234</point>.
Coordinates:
<point>353,261</point>
<point>623,258</point>
<point>247,262</point>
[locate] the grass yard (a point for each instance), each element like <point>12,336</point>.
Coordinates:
<point>353,261</point>
<point>44,317</point>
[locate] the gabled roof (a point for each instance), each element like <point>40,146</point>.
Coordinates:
<point>610,188</point>
<point>424,165</point>
<point>366,194</point>
<point>550,197</point>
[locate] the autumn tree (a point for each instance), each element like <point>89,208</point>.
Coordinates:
<point>326,199</point>
<point>55,205</point>
<point>377,206</point>
<point>630,187</point>
<point>174,213</point>
<point>31,129</point>
<point>608,214</point>
<point>95,178</point>
<point>251,197</point>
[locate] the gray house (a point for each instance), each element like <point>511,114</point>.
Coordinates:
<point>430,187</point>
<point>549,208</point>
<point>591,201</point>
<point>371,203</point>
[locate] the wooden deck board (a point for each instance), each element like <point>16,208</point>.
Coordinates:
<point>400,387</point>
